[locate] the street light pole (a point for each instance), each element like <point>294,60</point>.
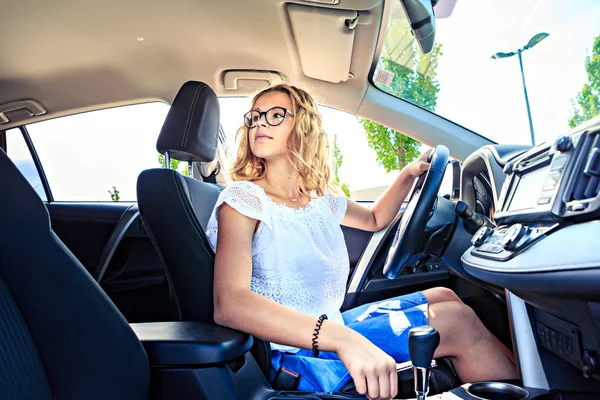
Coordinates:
<point>526,98</point>
<point>532,42</point>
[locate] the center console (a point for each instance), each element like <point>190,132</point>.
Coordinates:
<point>546,188</point>
<point>544,250</point>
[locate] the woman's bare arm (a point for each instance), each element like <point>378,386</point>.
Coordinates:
<point>388,204</point>
<point>236,306</point>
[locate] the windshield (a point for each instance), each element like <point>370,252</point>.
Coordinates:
<point>461,81</point>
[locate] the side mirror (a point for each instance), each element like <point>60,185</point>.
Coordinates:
<point>422,21</point>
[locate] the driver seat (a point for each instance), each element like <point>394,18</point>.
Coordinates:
<point>175,211</point>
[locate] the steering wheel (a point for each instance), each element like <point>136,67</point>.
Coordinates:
<point>411,230</point>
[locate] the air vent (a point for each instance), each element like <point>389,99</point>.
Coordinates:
<point>587,181</point>
<point>583,197</point>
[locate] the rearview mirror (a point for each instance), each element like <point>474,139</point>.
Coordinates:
<point>422,21</point>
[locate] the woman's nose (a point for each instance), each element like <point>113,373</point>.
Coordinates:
<point>262,120</point>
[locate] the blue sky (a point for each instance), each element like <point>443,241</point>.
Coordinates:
<point>486,95</point>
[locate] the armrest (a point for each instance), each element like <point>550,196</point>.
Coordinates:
<point>190,343</point>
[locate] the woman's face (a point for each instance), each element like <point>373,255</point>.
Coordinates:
<point>267,141</point>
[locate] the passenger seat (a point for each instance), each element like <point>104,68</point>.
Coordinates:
<point>60,336</point>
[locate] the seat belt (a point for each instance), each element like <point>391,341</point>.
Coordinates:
<point>286,379</point>
<point>212,177</point>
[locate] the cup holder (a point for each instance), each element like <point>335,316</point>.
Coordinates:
<point>497,391</point>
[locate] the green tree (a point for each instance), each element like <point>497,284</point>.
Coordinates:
<point>414,79</point>
<point>587,103</point>
<point>174,164</point>
<point>114,194</point>
<point>338,158</point>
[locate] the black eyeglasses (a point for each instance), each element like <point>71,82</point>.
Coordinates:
<point>274,116</point>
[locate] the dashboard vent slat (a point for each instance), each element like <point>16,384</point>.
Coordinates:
<point>593,187</point>
<point>587,185</point>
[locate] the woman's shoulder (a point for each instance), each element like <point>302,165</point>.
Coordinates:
<point>337,203</point>
<point>243,188</point>
<point>244,195</point>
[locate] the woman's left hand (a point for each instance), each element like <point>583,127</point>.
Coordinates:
<point>420,165</point>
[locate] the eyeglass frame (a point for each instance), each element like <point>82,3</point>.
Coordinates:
<point>264,113</point>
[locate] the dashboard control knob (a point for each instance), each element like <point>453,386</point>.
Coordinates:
<point>563,144</point>
<point>513,235</point>
<point>480,236</point>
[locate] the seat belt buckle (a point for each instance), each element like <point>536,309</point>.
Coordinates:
<point>286,379</point>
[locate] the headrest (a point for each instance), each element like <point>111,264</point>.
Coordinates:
<point>191,128</point>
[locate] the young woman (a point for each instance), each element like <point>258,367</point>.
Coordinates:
<point>281,262</point>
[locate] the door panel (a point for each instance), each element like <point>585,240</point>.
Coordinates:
<point>85,228</point>
<point>132,272</point>
<point>356,242</point>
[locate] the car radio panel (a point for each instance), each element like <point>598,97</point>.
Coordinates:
<point>546,188</point>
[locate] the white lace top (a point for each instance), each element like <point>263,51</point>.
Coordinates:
<point>299,256</point>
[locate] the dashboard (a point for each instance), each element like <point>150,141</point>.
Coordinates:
<point>542,247</point>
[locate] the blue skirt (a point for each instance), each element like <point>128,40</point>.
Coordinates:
<point>385,323</point>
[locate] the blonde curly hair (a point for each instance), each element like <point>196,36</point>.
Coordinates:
<point>308,146</point>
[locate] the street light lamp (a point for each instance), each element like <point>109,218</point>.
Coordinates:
<point>532,42</point>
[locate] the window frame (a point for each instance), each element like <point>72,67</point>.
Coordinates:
<point>34,157</point>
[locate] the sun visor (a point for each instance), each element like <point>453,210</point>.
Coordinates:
<point>324,39</point>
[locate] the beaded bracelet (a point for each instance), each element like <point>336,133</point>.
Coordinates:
<point>315,345</point>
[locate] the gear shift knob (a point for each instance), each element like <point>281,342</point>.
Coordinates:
<point>422,342</point>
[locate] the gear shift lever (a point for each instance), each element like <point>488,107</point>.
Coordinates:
<point>422,342</point>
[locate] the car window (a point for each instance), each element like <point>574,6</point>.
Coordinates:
<point>18,152</point>
<point>366,152</point>
<point>98,155</point>
<point>518,72</point>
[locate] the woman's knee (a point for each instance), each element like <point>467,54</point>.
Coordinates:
<point>456,322</point>
<point>440,295</point>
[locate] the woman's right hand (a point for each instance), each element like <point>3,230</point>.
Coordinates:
<point>373,371</point>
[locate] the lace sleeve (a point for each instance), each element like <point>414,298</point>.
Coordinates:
<point>338,206</point>
<point>245,198</point>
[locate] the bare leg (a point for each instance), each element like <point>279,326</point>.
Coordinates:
<point>473,349</point>
<point>442,294</point>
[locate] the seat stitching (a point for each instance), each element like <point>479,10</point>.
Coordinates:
<point>190,218</point>
<point>189,118</point>
<point>44,242</point>
<point>267,361</point>
<point>183,198</point>
<point>445,376</point>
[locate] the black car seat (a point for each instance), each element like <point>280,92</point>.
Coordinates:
<point>60,336</point>
<point>175,209</point>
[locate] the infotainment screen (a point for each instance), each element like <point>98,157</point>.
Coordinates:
<point>528,190</point>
